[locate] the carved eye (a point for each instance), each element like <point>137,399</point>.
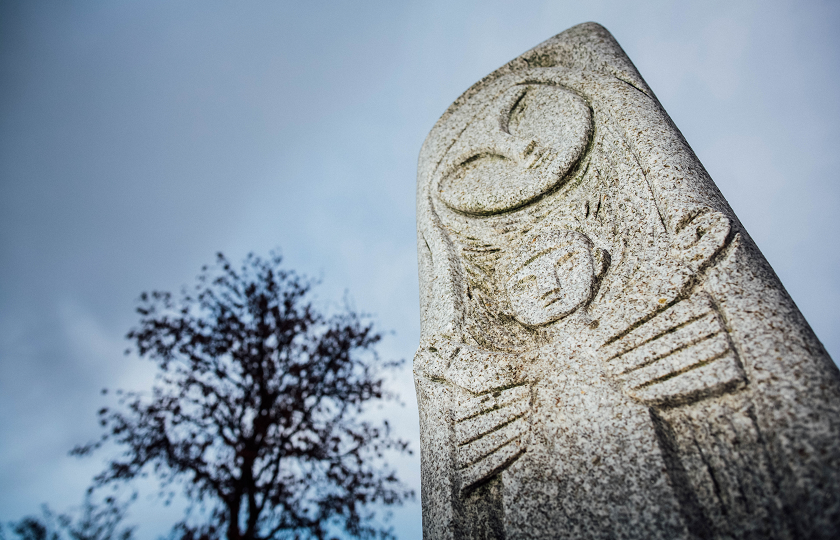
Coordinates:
<point>521,286</point>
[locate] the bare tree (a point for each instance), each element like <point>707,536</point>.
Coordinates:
<point>94,520</point>
<point>257,410</point>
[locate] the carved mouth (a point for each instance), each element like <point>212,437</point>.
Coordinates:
<point>551,299</point>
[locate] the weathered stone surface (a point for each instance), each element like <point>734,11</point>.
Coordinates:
<point>605,353</point>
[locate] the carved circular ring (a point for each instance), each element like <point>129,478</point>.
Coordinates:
<point>525,145</point>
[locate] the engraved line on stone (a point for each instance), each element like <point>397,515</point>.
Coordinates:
<point>538,255</point>
<point>668,344</point>
<point>725,375</point>
<point>727,355</point>
<point>490,432</point>
<point>709,469</point>
<point>653,329</point>
<point>653,193</point>
<point>632,84</point>
<point>713,351</point>
<point>635,361</point>
<point>478,426</point>
<point>482,249</point>
<point>597,207</point>
<point>762,441</point>
<point>487,467</point>
<point>485,446</point>
<point>546,155</point>
<point>663,332</point>
<point>466,430</point>
<point>456,138</point>
<point>552,291</point>
<point>587,161</point>
<point>476,405</point>
<point>677,328</point>
<point>699,352</point>
<point>694,307</point>
<point>508,106</point>
<point>476,241</point>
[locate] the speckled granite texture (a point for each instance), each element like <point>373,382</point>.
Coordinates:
<point>605,353</point>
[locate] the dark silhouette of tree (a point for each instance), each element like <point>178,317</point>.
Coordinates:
<point>94,521</point>
<point>257,410</point>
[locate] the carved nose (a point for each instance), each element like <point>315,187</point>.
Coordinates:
<point>515,148</point>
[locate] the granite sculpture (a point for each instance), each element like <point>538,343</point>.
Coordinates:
<point>605,353</point>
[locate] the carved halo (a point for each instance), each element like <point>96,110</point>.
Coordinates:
<point>526,145</point>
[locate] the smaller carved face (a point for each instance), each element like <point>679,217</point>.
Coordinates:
<point>552,276</point>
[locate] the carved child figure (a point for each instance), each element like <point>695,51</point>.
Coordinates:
<point>552,278</point>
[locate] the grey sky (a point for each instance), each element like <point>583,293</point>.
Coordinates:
<point>139,138</point>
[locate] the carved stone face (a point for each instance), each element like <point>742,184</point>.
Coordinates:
<point>523,147</point>
<point>551,281</point>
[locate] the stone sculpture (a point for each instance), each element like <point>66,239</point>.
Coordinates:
<point>605,353</point>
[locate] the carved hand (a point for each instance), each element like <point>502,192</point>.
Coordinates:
<point>489,432</point>
<point>700,235</point>
<point>682,354</point>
